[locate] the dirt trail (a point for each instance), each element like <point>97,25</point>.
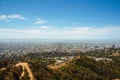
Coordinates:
<point>23,73</point>
<point>56,67</point>
<point>2,69</point>
<point>25,65</point>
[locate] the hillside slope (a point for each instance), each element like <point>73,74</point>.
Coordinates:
<point>79,68</point>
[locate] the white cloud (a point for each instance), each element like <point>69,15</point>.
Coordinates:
<point>9,17</point>
<point>68,33</point>
<point>16,16</point>
<point>3,17</point>
<point>44,27</point>
<point>40,21</point>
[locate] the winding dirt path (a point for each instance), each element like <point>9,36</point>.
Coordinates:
<point>2,69</point>
<point>23,73</point>
<point>56,67</point>
<point>25,65</point>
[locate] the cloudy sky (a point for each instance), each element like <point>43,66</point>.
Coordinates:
<point>60,19</point>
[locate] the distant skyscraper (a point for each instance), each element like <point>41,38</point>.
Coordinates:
<point>113,46</point>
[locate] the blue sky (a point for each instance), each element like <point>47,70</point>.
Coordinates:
<point>60,19</point>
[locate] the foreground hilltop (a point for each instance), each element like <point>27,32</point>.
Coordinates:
<point>84,66</point>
